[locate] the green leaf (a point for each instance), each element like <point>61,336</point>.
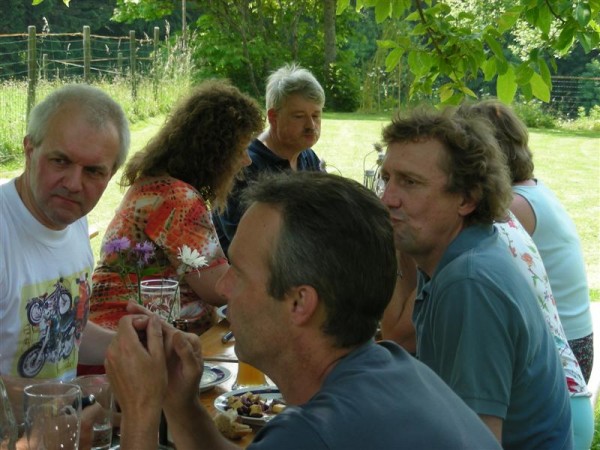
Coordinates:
<point>565,39</point>
<point>523,74</point>
<point>539,88</point>
<point>36,2</point>
<point>526,91</point>
<point>502,65</point>
<point>583,14</point>
<point>545,72</point>
<point>446,91</point>
<point>399,7</point>
<point>393,58</point>
<point>585,41</point>
<point>466,90</point>
<point>544,19</point>
<point>419,63</point>
<point>494,46</point>
<point>341,6</point>
<point>489,69</point>
<point>387,44</point>
<point>382,11</point>
<point>508,19</point>
<point>506,86</point>
<point>66,2</point>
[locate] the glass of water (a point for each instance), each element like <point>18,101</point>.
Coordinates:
<point>98,386</point>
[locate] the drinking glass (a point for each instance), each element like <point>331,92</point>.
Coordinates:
<point>248,376</point>
<point>161,296</point>
<point>52,416</point>
<point>99,387</point>
<point>8,424</point>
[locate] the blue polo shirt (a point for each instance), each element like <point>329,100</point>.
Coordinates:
<point>480,329</point>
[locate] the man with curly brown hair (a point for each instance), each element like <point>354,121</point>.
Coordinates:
<point>477,320</point>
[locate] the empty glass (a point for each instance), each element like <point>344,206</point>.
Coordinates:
<point>52,416</point>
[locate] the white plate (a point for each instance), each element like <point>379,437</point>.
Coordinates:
<point>266,393</point>
<point>212,376</point>
<point>222,312</point>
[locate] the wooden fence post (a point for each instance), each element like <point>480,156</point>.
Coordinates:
<point>155,63</point>
<point>120,63</point>
<point>132,46</point>
<point>87,53</point>
<point>45,66</point>
<point>32,73</point>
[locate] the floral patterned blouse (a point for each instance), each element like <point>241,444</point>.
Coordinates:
<point>169,213</point>
<point>528,259</point>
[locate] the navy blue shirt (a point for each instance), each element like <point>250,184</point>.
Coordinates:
<point>263,160</point>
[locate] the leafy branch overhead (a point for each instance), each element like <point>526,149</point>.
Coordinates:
<point>454,42</point>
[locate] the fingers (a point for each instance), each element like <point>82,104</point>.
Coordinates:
<point>188,348</point>
<point>154,335</point>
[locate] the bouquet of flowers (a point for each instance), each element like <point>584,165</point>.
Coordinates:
<point>137,259</point>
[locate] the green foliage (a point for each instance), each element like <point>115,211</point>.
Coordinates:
<point>452,43</point>
<point>533,114</point>
<point>342,88</point>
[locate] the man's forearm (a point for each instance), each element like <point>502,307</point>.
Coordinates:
<point>94,343</point>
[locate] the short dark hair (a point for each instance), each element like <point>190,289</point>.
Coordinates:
<point>336,236</point>
<point>511,134</point>
<point>474,163</point>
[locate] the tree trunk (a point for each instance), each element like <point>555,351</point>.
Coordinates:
<point>329,7</point>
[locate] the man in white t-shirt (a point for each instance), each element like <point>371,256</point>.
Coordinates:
<point>77,138</point>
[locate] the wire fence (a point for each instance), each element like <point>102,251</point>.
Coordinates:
<point>145,75</point>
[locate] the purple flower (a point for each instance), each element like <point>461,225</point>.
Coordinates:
<point>117,245</point>
<point>145,251</point>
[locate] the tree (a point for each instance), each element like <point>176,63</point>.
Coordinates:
<point>450,46</point>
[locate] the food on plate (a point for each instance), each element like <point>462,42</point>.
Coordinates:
<point>227,424</point>
<point>253,405</point>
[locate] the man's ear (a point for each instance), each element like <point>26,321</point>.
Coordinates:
<point>27,147</point>
<point>468,204</point>
<point>272,116</point>
<point>304,301</point>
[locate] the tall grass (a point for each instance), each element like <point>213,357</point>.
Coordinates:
<point>147,103</point>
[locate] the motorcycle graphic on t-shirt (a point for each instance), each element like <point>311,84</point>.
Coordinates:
<point>56,318</point>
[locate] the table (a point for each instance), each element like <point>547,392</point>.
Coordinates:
<point>213,348</point>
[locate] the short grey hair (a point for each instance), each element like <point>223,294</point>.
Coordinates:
<point>289,80</point>
<point>97,106</point>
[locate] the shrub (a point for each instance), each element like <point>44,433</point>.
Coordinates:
<point>534,115</point>
<point>342,88</point>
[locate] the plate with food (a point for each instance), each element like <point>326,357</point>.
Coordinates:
<point>222,312</point>
<point>212,376</point>
<point>254,406</point>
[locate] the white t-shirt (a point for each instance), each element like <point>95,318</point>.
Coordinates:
<point>44,291</point>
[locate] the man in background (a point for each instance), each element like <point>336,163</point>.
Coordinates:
<point>294,100</point>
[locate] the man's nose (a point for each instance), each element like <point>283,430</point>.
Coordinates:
<point>73,179</point>
<point>389,198</point>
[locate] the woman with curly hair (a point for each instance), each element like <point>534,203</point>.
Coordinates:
<point>186,170</point>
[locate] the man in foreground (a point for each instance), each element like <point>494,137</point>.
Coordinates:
<point>478,324</point>
<point>294,100</point>
<point>77,138</point>
<point>304,307</point>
